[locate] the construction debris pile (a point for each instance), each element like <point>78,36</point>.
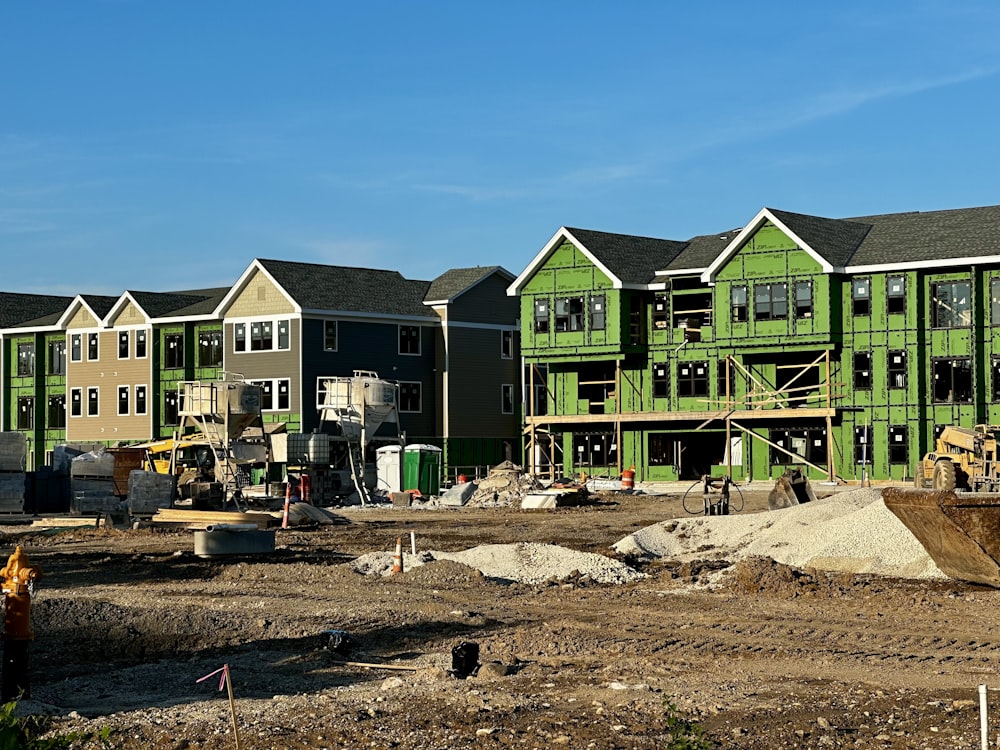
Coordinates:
<point>519,563</point>
<point>505,485</point>
<point>851,532</point>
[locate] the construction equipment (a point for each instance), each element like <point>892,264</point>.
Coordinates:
<point>963,458</point>
<point>960,531</point>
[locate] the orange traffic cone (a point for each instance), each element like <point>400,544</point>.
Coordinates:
<point>397,558</point>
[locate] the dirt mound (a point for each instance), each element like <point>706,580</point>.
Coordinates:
<point>505,485</point>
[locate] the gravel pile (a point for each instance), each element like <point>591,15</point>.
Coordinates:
<point>522,563</point>
<point>503,487</point>
<point>852,532</point>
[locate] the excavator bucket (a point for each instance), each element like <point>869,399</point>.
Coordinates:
<point>960,531</point>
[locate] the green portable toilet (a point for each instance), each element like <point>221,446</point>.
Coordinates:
<point>422,468</point>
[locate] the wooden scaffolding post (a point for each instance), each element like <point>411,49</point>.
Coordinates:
<point>531,425</point>
<point>618,412</point>
<point>830,471</point>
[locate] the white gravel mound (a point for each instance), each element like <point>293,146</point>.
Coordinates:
<point>522,562</point>
<point>851,532</point>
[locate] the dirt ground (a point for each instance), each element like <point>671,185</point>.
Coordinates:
<point>127,621</point>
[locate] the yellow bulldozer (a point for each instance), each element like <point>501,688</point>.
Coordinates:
<point>963,459</point>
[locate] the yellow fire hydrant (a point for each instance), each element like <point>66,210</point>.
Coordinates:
<point>17,582</point>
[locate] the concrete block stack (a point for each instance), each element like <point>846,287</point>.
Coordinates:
<point>148,491</point>
<point>92,483</point>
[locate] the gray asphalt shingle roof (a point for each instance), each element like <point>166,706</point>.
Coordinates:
<point>634,260</point>
<point>455,281</point>
<point>181,303</point>
<point>17,309</point>
<point>344,288</point>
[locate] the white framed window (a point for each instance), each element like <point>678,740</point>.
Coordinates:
<point>410,397</point>
<point>506,345</point>
<point>507,398</point>
<point>141,406</point>
<point>93,347</point>
<point>124,344</point>
<point>275,394</point>
<point>262,335</point>
<point>93,401</point>
<point>76,347</point>
<point>123,400</point>
<point>330,335</point>
<point>140,344</point>
<point>409,340</point>
<point>76,402</point>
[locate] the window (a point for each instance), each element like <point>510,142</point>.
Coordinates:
<point>124,344</point>
<point>171,413</point>
<point>123,391</point>
<point>569,314</point>
<point>663,449</point>
<point>140,344</point>
<point>506,399</point>
<point>76,402</point>
<point>951,380</point>
<point>692,379</point>
<point>897,370</point>
<point>541,316</point>
<point>93,402</point>
<point>995,301</point>
<point>263,336</point>
<point>56,415</point>
<point>173,350</point>
<point>76,347</point>
<point>275,395</point>
<point>25,413</point>
<point>895,295</point>
<point>57,358</point>
<point>541,400</point>
<point>210,349</point>
<point>898,445</point>
<point>738,299</point>
<point>951,304</point>
<point>329,335</point>
<point>25,360</point>
<point>863,445</point>
<point>661,380</point>
<point>770,302</point>
<point>506,345</point>
<point>661,311</point>
<point>594,450</point>
<point>597,313</point>
<point>862,371</point>
<point>803,299</point>
<point>996,379</point>
<point>861,297</point>
<point>791,447</point>
<point>140,399</point>
<point>409,397</point>
<point>93,349</point>
<point>409,339</point>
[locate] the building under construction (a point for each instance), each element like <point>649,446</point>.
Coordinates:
<point>840,346</point>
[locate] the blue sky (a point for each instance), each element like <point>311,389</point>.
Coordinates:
<point>164,145</point>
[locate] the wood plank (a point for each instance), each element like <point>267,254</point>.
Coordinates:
<point>199,518</point>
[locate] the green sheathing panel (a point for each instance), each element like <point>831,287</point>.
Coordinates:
<point>471,455</point>
<point>204,371</point>
<point>169,378</point>
<point>54,385</point>
<point>770,257</point>
<point>26,387</point>
<point>568,274</point>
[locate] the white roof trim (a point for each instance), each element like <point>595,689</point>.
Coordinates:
<point>545,252</point>
<point>430,320</point>
<point>921,264</point>
<point>762,216</point>
<point>120,305</point>
<point>240,285</point>
<point>76,304</point>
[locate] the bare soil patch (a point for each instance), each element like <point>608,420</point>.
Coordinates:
<point>769,657</point>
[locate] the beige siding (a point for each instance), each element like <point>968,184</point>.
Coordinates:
<point>268,365</point>
<point>259,297</point>
<point>107,373</point>
<point>130,315</point>
<point>82,319</point>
